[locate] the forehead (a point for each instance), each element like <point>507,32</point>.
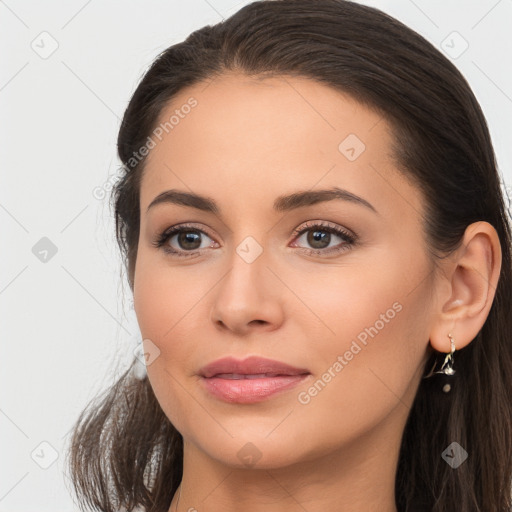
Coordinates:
<point>237,133</point>
<point>269,112</point>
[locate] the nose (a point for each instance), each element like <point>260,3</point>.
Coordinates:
<point>248,298</point>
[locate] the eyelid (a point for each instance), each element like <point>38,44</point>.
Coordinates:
<point>176,228</point>
<point>328,226</point>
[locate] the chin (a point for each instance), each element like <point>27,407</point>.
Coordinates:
<point>259,450</point>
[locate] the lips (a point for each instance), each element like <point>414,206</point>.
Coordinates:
<point>250,367</point>
<point>250,380</point>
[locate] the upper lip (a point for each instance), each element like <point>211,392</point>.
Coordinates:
<point>253,365</point>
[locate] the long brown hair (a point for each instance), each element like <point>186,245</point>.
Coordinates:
<point>124,451</point>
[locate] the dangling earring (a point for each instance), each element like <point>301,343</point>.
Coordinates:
<point>446,367</point>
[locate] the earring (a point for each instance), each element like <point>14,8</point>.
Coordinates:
<point>446,367</point>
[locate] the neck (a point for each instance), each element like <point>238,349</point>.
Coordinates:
<point>358,476</point>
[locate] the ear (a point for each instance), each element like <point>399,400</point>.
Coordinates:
<point>467,287</point>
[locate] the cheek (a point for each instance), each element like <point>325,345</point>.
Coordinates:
<point>375,299</point>
<point>380,320</point>
<point>166,301</point>
<point>170,308</point>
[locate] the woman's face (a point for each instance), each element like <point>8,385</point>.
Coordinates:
<point>334,287</point>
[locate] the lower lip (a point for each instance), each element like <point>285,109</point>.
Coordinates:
<point>249,391</point>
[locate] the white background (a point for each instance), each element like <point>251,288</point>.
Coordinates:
<point>67,325</point>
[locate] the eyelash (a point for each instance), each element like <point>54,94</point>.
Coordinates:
<point>349,238</point>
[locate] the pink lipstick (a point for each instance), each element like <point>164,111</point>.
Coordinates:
<point>250,380</point>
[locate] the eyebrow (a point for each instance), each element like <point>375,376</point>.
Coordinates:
<point>281,204</point>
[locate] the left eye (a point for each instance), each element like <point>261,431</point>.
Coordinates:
<point>319,237</point>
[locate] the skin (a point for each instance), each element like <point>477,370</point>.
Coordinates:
<point>246,143</point>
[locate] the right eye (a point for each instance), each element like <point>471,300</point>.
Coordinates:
<point>183,241</point>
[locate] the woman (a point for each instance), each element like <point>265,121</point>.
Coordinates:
<point>319,255</point>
